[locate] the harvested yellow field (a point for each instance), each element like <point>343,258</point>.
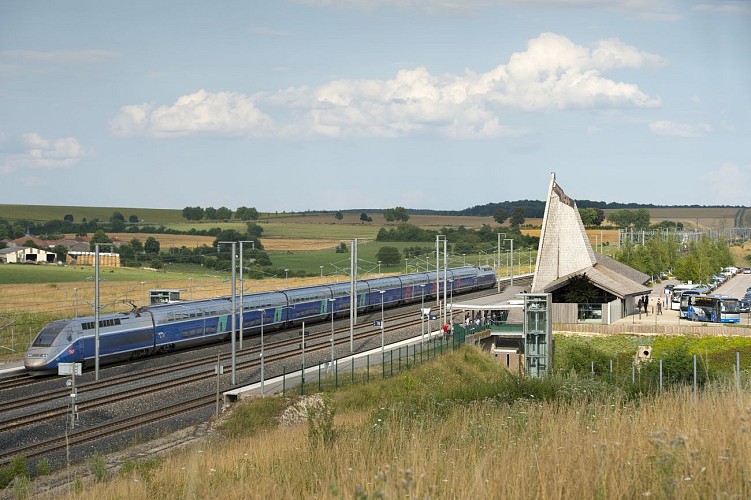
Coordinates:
<point>610,236</point>
<point>284,244</point>
<point>66,299</point>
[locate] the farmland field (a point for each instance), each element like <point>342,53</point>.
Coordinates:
<point>690,217</point>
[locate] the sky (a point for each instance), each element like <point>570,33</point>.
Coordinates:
<point>293,105</point>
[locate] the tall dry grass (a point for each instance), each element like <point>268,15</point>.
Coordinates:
<point>582,443</point>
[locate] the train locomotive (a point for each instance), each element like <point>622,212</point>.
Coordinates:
<point>162,328</point>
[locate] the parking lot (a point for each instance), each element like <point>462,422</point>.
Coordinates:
<point>733,287</point>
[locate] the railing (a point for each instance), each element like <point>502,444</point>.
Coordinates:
<point>361,370</point>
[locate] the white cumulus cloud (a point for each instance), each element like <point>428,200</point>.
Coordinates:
<point>41,153</point>
<point>221,113</point>
<point>553,73</point>
<point>677,129</point>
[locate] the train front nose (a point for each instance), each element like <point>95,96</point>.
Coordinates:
<point>37,362</point>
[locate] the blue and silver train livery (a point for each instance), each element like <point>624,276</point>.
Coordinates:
<point>163,328</point>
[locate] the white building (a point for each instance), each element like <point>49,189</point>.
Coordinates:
<point>22,255</point>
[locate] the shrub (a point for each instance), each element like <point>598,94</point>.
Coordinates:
<point>97,465</point>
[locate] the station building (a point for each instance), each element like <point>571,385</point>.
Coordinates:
<point>571,284</point>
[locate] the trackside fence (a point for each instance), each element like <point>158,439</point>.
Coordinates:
<point>363,369</point>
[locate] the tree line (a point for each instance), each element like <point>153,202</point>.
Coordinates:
<point>696,261</point>
<point>221,213</point>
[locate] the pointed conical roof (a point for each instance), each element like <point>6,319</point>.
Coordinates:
<point>564,247</point>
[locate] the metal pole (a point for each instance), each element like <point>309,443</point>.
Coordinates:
<point>234,305</point>
<point>352,296</point>
<point>234,312</point>
<point>498,273</point>
<point>96,312</point>
<point>422,316</point>
<point>437,275</point>
<point>445,276</point>
<point>96,308</point>
<point>660,375</point>
<point>302,376</point>
<point>737,370</point>
<point>694,377</point>
<point>242,286</point>
<point>451,302</point>
<point>332,331</point>
<point>382,340</point>
<point>262,311</point>
<point>218,372</point>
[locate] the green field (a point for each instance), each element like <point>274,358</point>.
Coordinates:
<point>14,274</point>
<point>41,213</point>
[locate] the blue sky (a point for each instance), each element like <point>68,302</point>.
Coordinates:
<point>336,104</point>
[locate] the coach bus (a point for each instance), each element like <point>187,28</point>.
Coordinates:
<point>712,308</point>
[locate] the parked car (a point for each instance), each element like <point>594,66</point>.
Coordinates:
<point>745,305</point>
<point>747,270</point>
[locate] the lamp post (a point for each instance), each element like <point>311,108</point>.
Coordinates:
<point>321,273</point>
<point>96,307</point>
<point>332,301</point>
<point>285,277</point>
<point>379,267</point>
<point>146,299</point>
<point>262,314</point>
<point>190,287</point>
<point>234,306</point>
<point>464,258</point>
<point>512,259</point>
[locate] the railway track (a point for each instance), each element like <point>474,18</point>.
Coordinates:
<point>100,431</point>
<point>246,360</point>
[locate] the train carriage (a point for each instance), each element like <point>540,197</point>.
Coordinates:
<point>387,291</point>
<point>340,294</point>
<point>308,303</point>
<point>267,308</point>
<point>165,327</point>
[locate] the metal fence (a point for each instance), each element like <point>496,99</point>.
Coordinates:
<point>658,374</point>
<point>361,370</point>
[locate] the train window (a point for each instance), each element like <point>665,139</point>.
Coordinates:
<point>48,334</point>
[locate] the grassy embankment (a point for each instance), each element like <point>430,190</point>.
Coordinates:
<point>462,427</point>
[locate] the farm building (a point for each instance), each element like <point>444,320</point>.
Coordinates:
<point>585,286</point>
<point>22,255</point>
<point>106,259</point>
<point>77,244</point>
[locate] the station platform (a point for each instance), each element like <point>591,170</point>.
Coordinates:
<point>11,368</point>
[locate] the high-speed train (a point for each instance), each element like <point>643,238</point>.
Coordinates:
<point>159,328</point>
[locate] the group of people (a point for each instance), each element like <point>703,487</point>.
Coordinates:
<point>644,303</point>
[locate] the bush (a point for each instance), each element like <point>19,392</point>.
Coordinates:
<point>97,465</point>
<point>16,468</point>
<point>43,467</point>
